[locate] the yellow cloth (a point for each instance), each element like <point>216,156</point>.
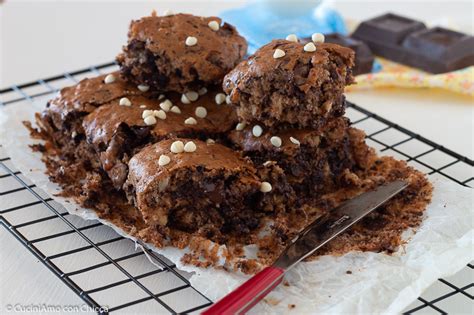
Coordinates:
<point>397,75</point>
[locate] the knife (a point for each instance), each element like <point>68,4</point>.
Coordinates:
<point>322,230</point>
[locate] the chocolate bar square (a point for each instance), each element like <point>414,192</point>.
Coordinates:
<point>441,50</point>
<point>390,28</point>
<point>440,42</point>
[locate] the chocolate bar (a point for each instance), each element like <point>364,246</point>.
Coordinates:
<point>364,59</point>
<point>407,41</point>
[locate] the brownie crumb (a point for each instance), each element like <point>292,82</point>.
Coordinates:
<point>348,272</point>
<point>271,301</point>
<point>291,306</point>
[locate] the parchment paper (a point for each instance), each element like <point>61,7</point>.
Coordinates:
<point>378,283</point>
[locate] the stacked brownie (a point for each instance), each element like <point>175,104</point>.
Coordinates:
<point>187,142</point>
<point>156,132</point>
<point>289,100</point>
<point>151,134</point>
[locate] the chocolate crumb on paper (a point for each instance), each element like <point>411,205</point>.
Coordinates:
<point>271,301</point>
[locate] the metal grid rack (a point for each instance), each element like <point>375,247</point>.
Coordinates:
<point>130,270</point>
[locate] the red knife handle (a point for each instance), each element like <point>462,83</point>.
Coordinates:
<point>248,294</point>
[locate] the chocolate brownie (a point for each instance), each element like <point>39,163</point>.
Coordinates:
<point>195,186</point>
<point>63,114</point>
<point>312,160</point>
<point>118,131</point>
<point>139,157</point>
<point>61,123</point>
<point>283,84</point>
<point>180,52</point>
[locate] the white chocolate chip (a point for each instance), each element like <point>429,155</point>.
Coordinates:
<point>275,141</point>
<point>162,96</point>
<point>143,87</point>
<point>190,147</point>
<point>125,102</point>
<point>240,126</point>
<point>166,105</point>
<point>278,53</point>
<point>160,114</point>
<point>73,134</point>
<point>201,112</point>
<point>318,38</point>
<point>164,160</point>
<point>150,120</point>
<point>220,98</point>
<point>267,163</point>
<point>175,109</point>
<point>292,38</point>
<point>213,25</point>
<point>202,91</point>
<point>185,99</point>
<point>257,131</point>
<point>191,41</point>
<point>294,140</point>
<point>168,13</point>
<point>177,147</point>
<point>190,121</point>
<point>146,113</point>
<point>309,47</point>
<point>192,96</point>
<point>142,106</point>
<point>227,99</point>
<point>110,78</point>
<point>265,187</point>
<point>210,141</point>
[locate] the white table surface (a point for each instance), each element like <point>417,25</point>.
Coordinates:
<point>40,39</point>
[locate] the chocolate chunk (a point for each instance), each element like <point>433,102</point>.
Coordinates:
<point>436,50</point>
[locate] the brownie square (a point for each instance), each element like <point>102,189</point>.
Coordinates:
<point>209,188</point>
<point>300,89</point>
<point>312,160</point>
<point>117,132</point>
<point>180,52</point>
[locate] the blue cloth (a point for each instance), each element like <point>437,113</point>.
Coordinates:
<point>259,23</point>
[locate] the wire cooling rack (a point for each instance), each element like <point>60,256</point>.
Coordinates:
<point>123,279</point>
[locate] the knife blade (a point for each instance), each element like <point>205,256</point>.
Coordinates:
<point>321,231</point>
<point>327,227</point>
